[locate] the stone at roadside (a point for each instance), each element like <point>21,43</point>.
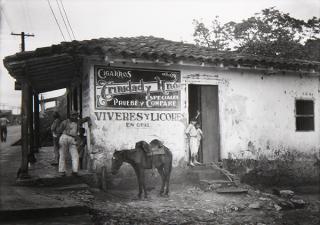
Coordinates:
<point>162,210</point>
<point>232,207</point>
<point>298,203</point>
<point>255,205</point>
<point>286,193</point>
<point>264,199</point>
<point>277,207</point>
<point>285,204</point>
<point>210,211</point>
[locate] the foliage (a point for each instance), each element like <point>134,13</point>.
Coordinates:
<point>218,36</point>
<point>268,33</point>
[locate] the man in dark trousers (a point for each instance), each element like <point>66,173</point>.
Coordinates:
<point>82,143</point>
<point>3,128</point>
<point>56,136</point>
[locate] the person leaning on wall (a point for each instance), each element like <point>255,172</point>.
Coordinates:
<point>69,129</point>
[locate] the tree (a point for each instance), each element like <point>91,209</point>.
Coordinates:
<point>312,48</point>
<point>218,36</point>
<point>268,33</point>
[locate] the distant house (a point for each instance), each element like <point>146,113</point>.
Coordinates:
<point>143,88</point>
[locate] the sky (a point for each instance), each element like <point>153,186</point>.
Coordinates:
<point>170,19</point>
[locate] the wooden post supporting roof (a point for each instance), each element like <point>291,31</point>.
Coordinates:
<point>80,99</point>
<point>30,119</point>
<point>75,98</point>
<point>25,98</point>
<point>68,101</point>
<point>36,123</point>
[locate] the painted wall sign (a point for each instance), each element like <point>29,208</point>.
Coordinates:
<point>134,116</point>
<point>131,88</point>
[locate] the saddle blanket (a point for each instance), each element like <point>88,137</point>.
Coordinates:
<point>158,151</point>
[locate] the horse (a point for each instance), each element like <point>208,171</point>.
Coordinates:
<point>140,161</point>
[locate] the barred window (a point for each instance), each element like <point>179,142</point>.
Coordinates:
<point>304,115</point>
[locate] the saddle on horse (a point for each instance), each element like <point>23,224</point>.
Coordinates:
<point>152,152</point>
<point>156,151</point>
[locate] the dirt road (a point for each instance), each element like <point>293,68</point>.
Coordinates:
<point>189,205</point>
<point>186,204</point>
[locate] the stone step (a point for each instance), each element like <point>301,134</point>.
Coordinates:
<point>231,190</point>
<point>207,174</point>
<point>42,212</point>
<point>211,185</point>
<point>55,180</point>
<point>84,219</point>
<point>72,187</point>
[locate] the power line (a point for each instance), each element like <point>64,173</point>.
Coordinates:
<point>55,18</point>
<point>74,37</point>
<point>65,24</point>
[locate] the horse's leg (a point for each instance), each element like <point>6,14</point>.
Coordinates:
<point>143,184</point>
<point>160,170</point>
<point>167,173</point>
<point>137,171</point>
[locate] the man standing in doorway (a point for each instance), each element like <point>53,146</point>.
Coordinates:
<point>3,128</point>
<point>192,135</point>
<point>68,142</point>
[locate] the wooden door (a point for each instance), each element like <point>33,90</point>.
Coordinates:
<point>205,99</point>
<point>210,123</point>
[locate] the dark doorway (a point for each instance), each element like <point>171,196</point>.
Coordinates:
<point>204,98</point>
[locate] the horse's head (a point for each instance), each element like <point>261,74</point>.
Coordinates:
<point>155,144</point>
<point>143,145</point>
<point>117,161</point>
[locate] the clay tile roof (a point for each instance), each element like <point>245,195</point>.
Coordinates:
<point>160,48</point>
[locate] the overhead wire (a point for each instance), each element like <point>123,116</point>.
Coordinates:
<point>57,22</point>
<point>65,24</point>
<point>74,37</point>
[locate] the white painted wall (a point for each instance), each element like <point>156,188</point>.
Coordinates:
<point>260,110</point>
<point>256,114</point>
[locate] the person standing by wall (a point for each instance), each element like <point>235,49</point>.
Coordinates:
<point>68,142</point>
<point>3,128</point>
<point>191,133</point>
<point>56,136</point>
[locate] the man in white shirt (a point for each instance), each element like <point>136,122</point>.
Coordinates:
<point>192,135</point>
<point>68,142</point>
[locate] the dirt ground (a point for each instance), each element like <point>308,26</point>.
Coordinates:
<point>190,205</point>
<point>185,205</point>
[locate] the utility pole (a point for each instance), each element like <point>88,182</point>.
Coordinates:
<point>23,35</point>
<point>17,84</point>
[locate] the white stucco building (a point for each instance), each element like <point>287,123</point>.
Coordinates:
<point>145,88</point>
<point>248,107</point>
